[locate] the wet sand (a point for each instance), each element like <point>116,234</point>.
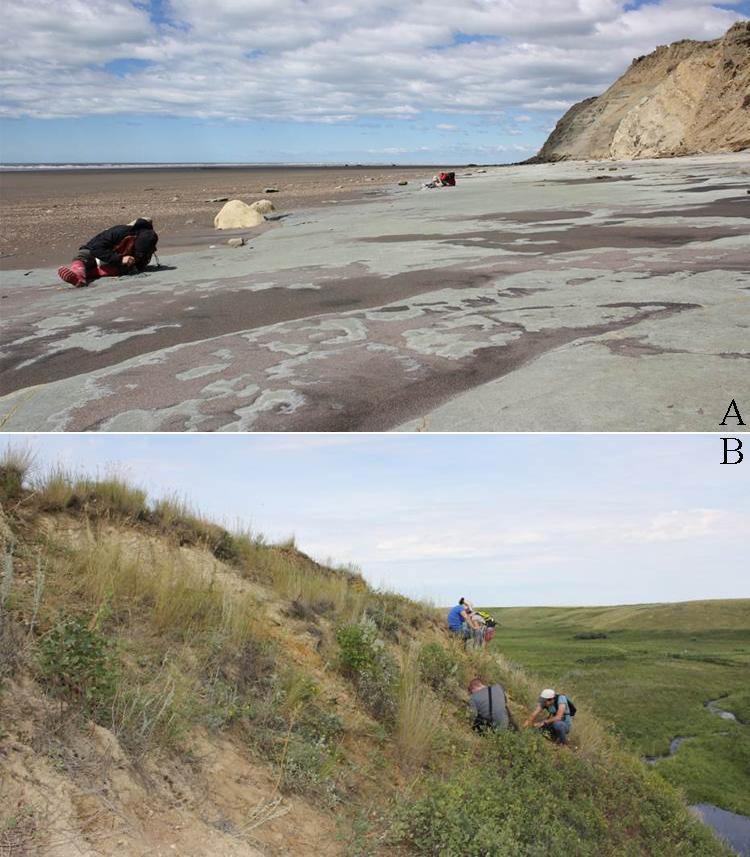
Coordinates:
<point>45,216</point>
<point>529,298</point>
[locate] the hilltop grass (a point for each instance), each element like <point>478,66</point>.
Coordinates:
<point>651,683</point>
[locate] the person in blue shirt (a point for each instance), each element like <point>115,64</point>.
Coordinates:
<point>556,713</point>
<point>460,621</point>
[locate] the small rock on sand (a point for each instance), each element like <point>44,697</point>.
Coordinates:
<point>218,199</point>
<point>271,190</point>
<point>264,206</point>
<point>236,242</point>
<point>403,183</point>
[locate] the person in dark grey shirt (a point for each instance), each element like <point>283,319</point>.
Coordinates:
<point>488,705</point>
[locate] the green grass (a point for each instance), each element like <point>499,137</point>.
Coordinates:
<point>522,798</point>
<point>650,679</point>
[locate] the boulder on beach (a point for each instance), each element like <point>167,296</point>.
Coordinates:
<point>237,215</point>
<point>264,206</point>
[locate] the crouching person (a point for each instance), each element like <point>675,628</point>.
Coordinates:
<point>556,711</point>
<point>488,706</point>
<point>116,251</point>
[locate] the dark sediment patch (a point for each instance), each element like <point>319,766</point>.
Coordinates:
<point>711,187</point>
<point>636,347</point>
<point>572,239</point>
<point>732,206</point>
<point>532,216</point>
<point>214,313</point>
<point>378,402</point>
<point>592,180</point>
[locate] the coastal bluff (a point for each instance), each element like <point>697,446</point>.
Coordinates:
<point>686,98</point>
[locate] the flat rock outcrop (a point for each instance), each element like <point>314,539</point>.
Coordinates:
<point>686,98</point>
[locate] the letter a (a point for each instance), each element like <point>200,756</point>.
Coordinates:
<point>732,407</point>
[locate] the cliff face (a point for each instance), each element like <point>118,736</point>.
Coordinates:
<point>686,98</point>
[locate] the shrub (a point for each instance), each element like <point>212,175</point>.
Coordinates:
<point>356,649</point>
<point>522,798</point>
<point>309,768</point>
<point>364,658</point>
<point>76,663</point>
<point>437,666</point>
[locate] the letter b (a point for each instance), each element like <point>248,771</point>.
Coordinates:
<point>737,450</point>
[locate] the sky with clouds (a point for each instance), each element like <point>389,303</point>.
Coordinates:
<point>503,519</point>
<point>316,80</point>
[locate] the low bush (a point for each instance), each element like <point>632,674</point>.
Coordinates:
<point>522,798</point>
<point>76,663</point>
<point>310,768</point>
<point>364,658</point>
<point>438,666</point>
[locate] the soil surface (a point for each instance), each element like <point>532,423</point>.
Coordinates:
<point>67,207</point>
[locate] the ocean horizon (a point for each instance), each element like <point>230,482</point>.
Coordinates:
<point>153,165</point>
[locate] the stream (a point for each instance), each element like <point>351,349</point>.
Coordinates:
<point>729,826</point>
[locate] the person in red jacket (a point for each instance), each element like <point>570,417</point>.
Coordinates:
<point>116,251</point>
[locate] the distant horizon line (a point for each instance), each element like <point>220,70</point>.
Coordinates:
<point>27,165</point>
<point>602,606</point>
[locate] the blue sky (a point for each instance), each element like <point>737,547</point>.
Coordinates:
<point>502,519</point>
<point>434,81</point>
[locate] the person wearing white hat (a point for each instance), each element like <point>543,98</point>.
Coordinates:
<point>555,709</point>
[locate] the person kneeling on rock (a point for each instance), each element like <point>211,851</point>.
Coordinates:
<point>116,251</point>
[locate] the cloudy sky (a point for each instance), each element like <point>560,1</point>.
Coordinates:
<point>316,80</point>
<point>503,519</point>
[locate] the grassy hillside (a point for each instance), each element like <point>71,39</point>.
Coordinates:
<point>169,686</point>
<point>707,616</point>
<point>650,677</point>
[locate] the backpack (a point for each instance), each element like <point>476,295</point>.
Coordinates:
<point>448,179</point>
<point>571,708</point>
<point>488,619</point>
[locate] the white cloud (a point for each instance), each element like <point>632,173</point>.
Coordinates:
<point>312,60</point>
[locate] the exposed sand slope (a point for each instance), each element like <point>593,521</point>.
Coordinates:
<point>684,98</point>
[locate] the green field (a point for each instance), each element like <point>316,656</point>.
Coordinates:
<point>650,680</point>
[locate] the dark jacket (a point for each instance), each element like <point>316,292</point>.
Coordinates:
<point>138,240</point>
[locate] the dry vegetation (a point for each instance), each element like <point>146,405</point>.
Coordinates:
<point>168,682</point>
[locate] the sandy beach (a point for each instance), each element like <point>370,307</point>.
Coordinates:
<point>571,297</point>
<point>67,207</point>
